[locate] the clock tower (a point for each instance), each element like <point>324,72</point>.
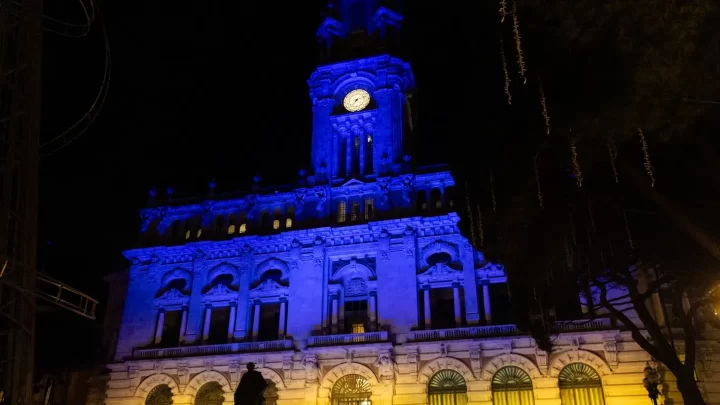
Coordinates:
<point>360,104</point>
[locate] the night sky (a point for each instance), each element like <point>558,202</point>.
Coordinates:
<point>203,90</point>
<point>208,89</point>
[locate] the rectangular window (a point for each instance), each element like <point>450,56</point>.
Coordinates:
<point>288,222</point>
<point>219,322</point>
<point>276,224</point>
<point>269,322</point>
<point>358,328</point>
<point>171,329</point>
<point>341,211</point>
<point>354,211</point>
<point>356,313</point>
<point>369,208</point>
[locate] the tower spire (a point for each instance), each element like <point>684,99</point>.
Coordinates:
<point>358,28</point>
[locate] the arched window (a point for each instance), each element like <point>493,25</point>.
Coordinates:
<point>580,385</point>
<point>447,387</point>
<point>512,386</point>
<point>351,389</point>
<point>210,394</point>
<point>436,198</point>
<point>160,395</point>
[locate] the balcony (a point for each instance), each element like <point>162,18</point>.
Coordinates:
<point>351,338</point>
<point>484,332</point>
<point>184,351</point>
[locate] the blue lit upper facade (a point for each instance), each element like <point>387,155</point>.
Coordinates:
<point>355,276</point>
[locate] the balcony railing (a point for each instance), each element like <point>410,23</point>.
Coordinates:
<point>184,351</point>
<point>336,340</point>
<point>479,332</point>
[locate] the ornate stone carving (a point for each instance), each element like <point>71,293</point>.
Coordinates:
<point>287,365</point>
<point>476,358</point>
<point>541,357</point>
<point>300,196</point>
<point>506,347</point>
<point>219,292</point>
<point>172,298</point>
<point>408,183</point>
<point>386,366</point>
<point>409,242</point>
<point>183,372</point>
<point>610,348</point>
<point>440,246</point>
<point>247,261</point>
<point>208,364</point>
<point>269,288</point>
<point>133,373</point>
<point>312,372</point>
<point>413,358</point>
<point>234,368</point>
<point>384,245</point>
<point>560,360</point>
<point>322,199</point>
<point>443,350</point>
<point>384,191</point>
<point>318,252</point>
<point>177,274</point>
<point>272,264</point>
<point>355,288</point>
<point>295,250</point>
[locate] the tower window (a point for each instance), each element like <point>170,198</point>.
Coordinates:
<point>369,208</point>
<point>187,234</point>
<point>243,228</point>
<point>199,233</point>
<point>341,214</point>
<point>276,224</point>
<point>354,211</point>
<point>288,222</point>
<point>231,229</point>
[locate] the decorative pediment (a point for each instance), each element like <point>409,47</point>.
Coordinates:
<point>353,182</point>
<point>491,270</point>
<point>272,264</point>
<point>219,292</point>
<point>172,298</point>
<point>351,270</point>
<point>385,17</point>
<point>440,273</point>
<point>330,27</point>
<point>268,289</point>
<point>440,247</point>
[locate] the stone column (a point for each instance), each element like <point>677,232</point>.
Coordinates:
<point>159,327</point>
<point>426,301</point>
<point>334,315</point>
<point>183,324</point>
<point>256,322</point>
<point>206,324</point>
<point>372,317</point>
<point>231,322</point>
<point>281,327</point>
<point>458,306</point>
<point>486,304</point>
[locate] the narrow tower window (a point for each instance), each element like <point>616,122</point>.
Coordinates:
<point>341,208</point>
<point>369,208</point>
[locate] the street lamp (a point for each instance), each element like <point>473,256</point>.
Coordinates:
<point>651,382</point>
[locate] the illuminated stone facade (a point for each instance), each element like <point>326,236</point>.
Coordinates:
<point>356,281</point>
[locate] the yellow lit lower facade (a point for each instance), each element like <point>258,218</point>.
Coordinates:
<point>587,368</point>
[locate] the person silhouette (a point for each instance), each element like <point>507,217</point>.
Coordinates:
<point>251,387</point>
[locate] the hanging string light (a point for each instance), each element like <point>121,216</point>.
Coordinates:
<point>537,181</point>
<point>576,164</point>
<point>646,156</point>
<point>543,104</point>
<point>492,191</point>
<point>612,150</point>
<point>503,10</point>
<point>505,70</point>
<point>469,211</point>
<point>481,232</point>
<point>518,44</point>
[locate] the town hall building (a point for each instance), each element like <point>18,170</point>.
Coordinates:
<point>354,286</point>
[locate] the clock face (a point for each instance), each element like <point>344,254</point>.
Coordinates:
<point>356,100</point>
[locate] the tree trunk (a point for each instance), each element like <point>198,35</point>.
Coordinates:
<point>689,390</point>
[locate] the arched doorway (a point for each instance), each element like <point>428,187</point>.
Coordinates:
<point>512,386</point>
<point>447,387</point>
<point>580,384</point>
<point>210,394</point>
<point>160,395</point>
<point>352,389</point>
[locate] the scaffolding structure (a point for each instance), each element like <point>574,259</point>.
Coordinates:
<point>21,28</point>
